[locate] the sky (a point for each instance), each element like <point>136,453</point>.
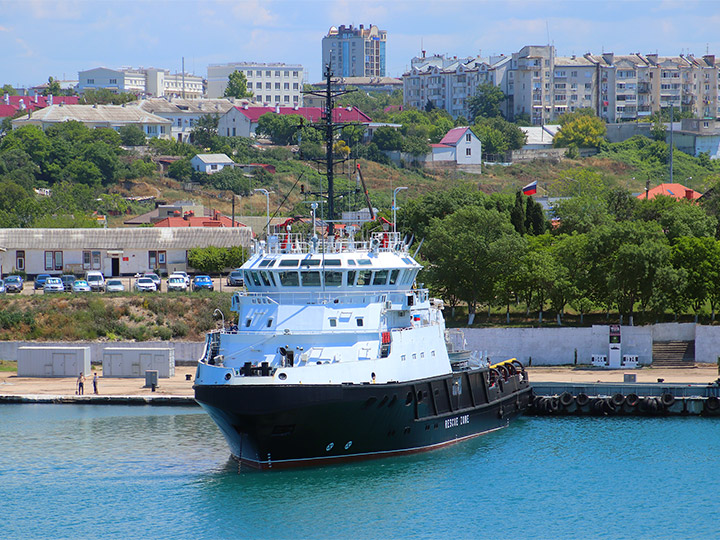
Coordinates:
<point>58,38</point>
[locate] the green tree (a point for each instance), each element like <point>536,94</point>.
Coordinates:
<point>486,102</point>
<point>103,96</point>
<point>237,86</point>
<point>699,258</point>
<point>204,132</point>
<point>181,170</point>
<point>9,90</point>
<point>517,214</point>
<point>213,260</point>
<point>132,135</point>
<point>581,131</point>
<point>498,135</point>
<point>53,88</point>
<point>415,146</point>
<point>387,138</point>
<point>281,129</point>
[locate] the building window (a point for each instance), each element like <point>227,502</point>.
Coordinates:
<point>286,86</point>
<point>91,81</point>
<point>295,74</point>
<point>287,73</point>
<point>468,151</point>
<point>468,137</point>
<point>20,260</point>
<point>277,86</point>
<point>268,86</point>
<point>268,73</point>
<point>53,260</point>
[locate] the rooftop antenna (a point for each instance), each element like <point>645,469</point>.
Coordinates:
<point>547,27</point>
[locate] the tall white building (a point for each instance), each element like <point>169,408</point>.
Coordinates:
<point>151,82</point>
<point>355,52</point>
<point>271,84</point>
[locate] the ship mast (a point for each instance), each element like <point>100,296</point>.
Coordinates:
<point>327,127</point>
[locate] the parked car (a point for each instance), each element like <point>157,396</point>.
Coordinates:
<point>96,280</point>
<point>80,285</point>
<point>40,281</point>
<point>202,282</point>
<point>53,285</point>
<point>235,279</point>
<point>183,275</point>
<point>114,285</point>
<point>145,284</point>
<point>14,283</point>
<point>176,283</point>
<point>156,279</point>
<point>2,286</point>
<point>67,280</point>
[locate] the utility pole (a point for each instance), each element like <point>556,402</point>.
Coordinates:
<point>672,108</point>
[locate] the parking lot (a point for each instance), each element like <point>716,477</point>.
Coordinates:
<point>219,284</point>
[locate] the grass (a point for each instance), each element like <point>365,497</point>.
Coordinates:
<point>8,365</point>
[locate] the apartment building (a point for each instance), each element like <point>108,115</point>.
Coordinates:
<point>151,82</point>
<point>542,85</point>
<point>271,84</point>
<point>355,52</point>
<point>448,82</point>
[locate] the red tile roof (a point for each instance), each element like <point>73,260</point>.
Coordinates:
<point>312,114</point>
<point>676,191</point>
<point>197,221</point>
<point>32,104</point>
<point>439,145</point>
<point>454,135</point>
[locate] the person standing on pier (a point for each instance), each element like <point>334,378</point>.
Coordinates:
<point>95,381</point>
<point>81,384</point>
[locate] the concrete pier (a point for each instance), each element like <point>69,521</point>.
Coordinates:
<point>625,399</point>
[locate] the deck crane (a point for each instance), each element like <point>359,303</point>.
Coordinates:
<point>365,191</point>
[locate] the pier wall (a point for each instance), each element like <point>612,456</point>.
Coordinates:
<point>561,346</point>
<point>186,352</point>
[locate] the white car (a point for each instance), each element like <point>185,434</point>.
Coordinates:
<point>96,280</point>
<point>114,285</point>
<point>176,283</point>
<point>183,275</point>
<point>145,284</point>
<point>53,284</point>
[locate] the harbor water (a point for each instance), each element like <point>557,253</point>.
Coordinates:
<point>83,471</point>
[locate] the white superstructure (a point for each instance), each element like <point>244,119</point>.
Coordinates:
<point>329,312</point>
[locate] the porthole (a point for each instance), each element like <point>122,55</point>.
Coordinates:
<point>348,445</point>
<point>228,376</point>
<point>282,376</point>
<point>329,447</point>
<point>408,398</point>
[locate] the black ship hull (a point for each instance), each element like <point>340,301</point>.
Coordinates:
<point>274,426</point>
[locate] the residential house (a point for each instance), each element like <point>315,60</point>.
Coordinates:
<point>184,113</point>
<point>242,121</point>
<point>98,116</point>
<point>115,252</point>
<point>10,105</point>
<point>270,83</point>
<point>459,147</point>
<point>189,219</point>
<point>210,163</point>
<point>698,136</point>
<point>676,191</point>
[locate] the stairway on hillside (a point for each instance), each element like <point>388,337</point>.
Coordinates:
<point>673,354</point>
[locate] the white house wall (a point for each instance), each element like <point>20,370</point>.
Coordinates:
<point>475,157</point>
<point>234,119</point>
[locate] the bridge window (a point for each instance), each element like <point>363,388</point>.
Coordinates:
<point>393,276</point>
<point>310,262</point>
<point>380,277</point>
<point>310,279</point>
<point>266,262</point>
<point>255,278</point>
<point>333,322</point>
<point>265,278</point>
<point>359,321</point>
<point>289,279</point>
<point>333,279</point>
<point>333,262</point>
<point>364,278</point>
<point>351,278</point>
<point>289,262</point>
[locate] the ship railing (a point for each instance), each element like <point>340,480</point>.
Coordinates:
<point>300,243</point>
<point>394,297</point>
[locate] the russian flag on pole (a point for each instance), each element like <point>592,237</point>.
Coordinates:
<point>530,189</point>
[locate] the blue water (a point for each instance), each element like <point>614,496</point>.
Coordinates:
<point>145,472</point>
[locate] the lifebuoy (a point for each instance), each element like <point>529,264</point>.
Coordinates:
<point>618,399</point>
<point>667,399</point>
<point>582,399</point>
<point>632,400</point>
<point>566,399</point>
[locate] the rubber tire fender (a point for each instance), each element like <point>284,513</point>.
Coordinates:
<point>712,403</point>
<point>632,400</point>
<point>518,366</point>
<point>582,399</point>
<point>503,372</point>
<point>566,399</point>
<point>618,399</point>
<point>667,399</point>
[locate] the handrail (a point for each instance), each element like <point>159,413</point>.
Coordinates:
<point>300,243</point>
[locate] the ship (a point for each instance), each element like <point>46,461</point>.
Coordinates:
<point>339,354</point>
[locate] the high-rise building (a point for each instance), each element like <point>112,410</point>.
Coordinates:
<point>271,84</point>
<point>355,52</point>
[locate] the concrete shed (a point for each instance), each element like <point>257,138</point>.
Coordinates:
<point>53,361</point>
<point>134,362</point>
